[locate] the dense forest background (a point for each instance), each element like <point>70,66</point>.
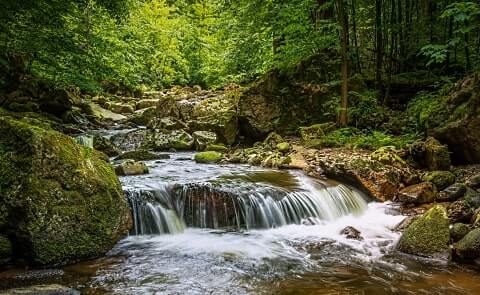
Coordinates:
<point>153,44</point>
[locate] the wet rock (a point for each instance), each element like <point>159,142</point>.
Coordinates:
<point>283,147</point>
<point>41,290</point>
<point>441,179</point>
<point>105,145</point>
<point>131,167</point>
<point>351,233</point>
<point>60,202</point>
<point>421,193</point>
<point>203,138</point>
<point>459,211</point>
<point>452,193</point>
<point>142,155</point>
<point>427,236</point>
<point>472,198</point>
<point>474,181</point>
<point>162,140</point>
<point>104,114</point>
<point>167,123</point>
<point>458,231</point>
<point>405,223</point>
<point>131,140</point>
<point>216,148</point>
<point>469,246</point>
<point>208,157</point>
<point>437,156</point>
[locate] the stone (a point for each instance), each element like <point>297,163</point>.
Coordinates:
<point>146,103</point>
<point>421,193</point>
<point>458,231</point>
<point>441,179</point>
<point>469,246</point>
<point>283,147</point>
<point>216,148</point>
<point>160,140</point>
<point>105,146</point>
<point>437,156</point>
<point>452,193</point>
<point>53,289</point>
<point>142,155</point>
<point>472,198</point>
<point>208,157</point>
<point>351,233</point>
<point>387,155</point>
<point>203,138</point>
<point>474,181</point>
<point>459,211</point>
<point>59,202</point>
<point>121,108</point>
<point>131,140</point>
<point>104,114</point>
<point>428,235</point>
<point>131,167</point>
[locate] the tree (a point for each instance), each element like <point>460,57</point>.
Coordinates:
<point>342,16</point>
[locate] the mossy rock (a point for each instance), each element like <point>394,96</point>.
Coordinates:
<point>283,147</point>
<point>458,231</point>
<point>160,140</point>
<point>208,157</point>
<point>216,148</point>
<point>441,179</point>
<point>437,156</point>
<point>142,155</point>
<point>469,246</point>
<point>387,155</point>
<point>131,167</point>
<point>105,145</point>
<point>472,198</point>
<point>315,131</point>
<point>61,202</point>
<point>427,235</point>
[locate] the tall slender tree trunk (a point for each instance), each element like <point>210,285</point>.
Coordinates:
<point>378,44</point>
<point>342,15</point>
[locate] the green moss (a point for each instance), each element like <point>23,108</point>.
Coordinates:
<point>427,235</point>
<point>208,157</point>
<point>216,148</point>
<point>283,147</point>
<point>469,246</point>
<point>441,179</point>
<point>458,231</point>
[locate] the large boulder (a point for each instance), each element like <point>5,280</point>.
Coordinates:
<point>437,156</point>
<point>469,246</point>
<point>131,167</point>
<point>452,193</point>
<point>441,179</point>
<point>428,235</point>
<point>59,202</point>
<point>202,139</point>
<point>162,140</point>
<point>131,140</point>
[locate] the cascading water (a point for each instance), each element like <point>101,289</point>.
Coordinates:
<point>236,204</point>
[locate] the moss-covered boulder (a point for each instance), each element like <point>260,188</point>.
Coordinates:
<point>105,145</point>
<point>458,231</point>
<point>216,148</point>
<point>452,193</point>
<point>131,167</point>
<point>208,157</point>
<point>162,140</point>
<point>469,246</point>
<point>428,235</point>
<point>283,147</point>
<point>472,198</point>
<point>474,181</point>
<point>441,179</point>
<point>437,156</point>
<point>59,202</point>
<point>203,138</point>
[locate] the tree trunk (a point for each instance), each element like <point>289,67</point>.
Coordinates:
<point>343,118</point>
<point>378,45</point>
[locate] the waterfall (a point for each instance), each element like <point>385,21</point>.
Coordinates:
<point>238,205</point>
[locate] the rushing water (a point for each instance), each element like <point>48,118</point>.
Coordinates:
<point>235,229</point>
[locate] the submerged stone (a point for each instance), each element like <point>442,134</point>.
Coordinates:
<point>59,202</point>
<point>427,235</point>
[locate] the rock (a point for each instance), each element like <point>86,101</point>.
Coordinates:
<point>142,155</point>
<point>41,290</point>
<point>104,114</point>
<point>452,193</point>
<point>59,202</point>
<point>437,156</point>
<point>85,140</point>
<point>5,249</point>
<point>131,140</point>
<point>469,246</point>
<point>405,223</point>
<point>146,103</point>
<point>472,198</point>
<point>270,142</point>
<point>208,157</point>
<point>105,145</point>
<point>474,181</point>
<point>441,179</point>
<point>167,124</point>
<point>428,235</point>
<point>203,138</point>
<point>159,140</point>
<point>131,167</point>
<point>311,135</point>
<point>216,148</point>
<point>459,211</point>
<point>121,108</point>
<point>421,193</point>
<point>257,116</point>
<point>351,233</point>
<point>387,155</point>
<point>283,147</point>
<point>458,231</point>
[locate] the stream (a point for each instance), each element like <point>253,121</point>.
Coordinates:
<point>237,229</point>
